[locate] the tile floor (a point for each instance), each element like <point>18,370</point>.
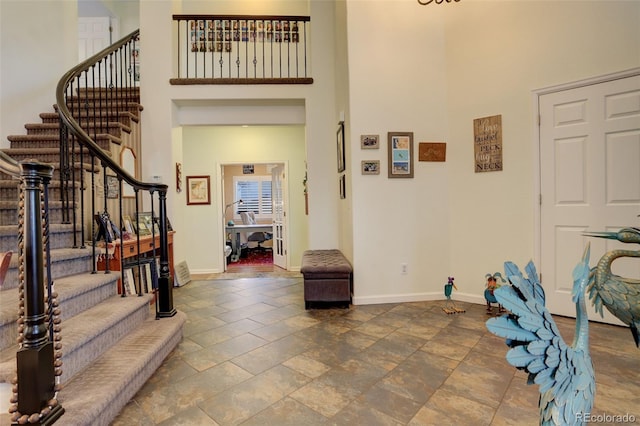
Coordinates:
<point>252,355</point>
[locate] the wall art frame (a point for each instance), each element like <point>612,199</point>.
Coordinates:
<point>340,147</point>
<point>198,190</point>
<point>369,141</point>
<point>400,153</point>
<point>432,151</point>
<point>370,167</point>
<point>342,183</point>
<point>113,187</point>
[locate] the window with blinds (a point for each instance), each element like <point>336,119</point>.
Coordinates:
<point>255,193</point>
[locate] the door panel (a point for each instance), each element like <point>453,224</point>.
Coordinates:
<point>278,197</point>
<point>93,35</point>
<point>589,180</point>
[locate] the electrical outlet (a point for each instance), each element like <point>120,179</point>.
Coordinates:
<point>404,268</point>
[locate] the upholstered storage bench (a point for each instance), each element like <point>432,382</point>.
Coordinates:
<point>328,277</point>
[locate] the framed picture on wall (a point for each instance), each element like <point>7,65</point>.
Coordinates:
<point>113,187</point>
<point>369,142</point>
<point>340,146</point>
<point>400,152</point>
<point>343,186</point>
<point>370,167</point>
<point>198,190</point>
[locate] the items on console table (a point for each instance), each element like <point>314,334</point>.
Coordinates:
<point>130,252</point>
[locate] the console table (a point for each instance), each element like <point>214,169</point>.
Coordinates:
<point>130,250</point>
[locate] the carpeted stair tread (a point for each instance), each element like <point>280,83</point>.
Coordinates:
<point>56,137</point>
<point>87,335</point>
<point>54,128</point>
<point>97,395</point>
<point>64,261</point>
<point>68,287</point>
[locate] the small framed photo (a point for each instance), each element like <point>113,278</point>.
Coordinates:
<point>340,147</point>
<point>145,224</point>
<point>370,167</point>
<point>400,152</point>
<point>369,142</point>
<point>198,190</point>
<point>343,186</point>
<point>113,187</point>
<point>127,224</point>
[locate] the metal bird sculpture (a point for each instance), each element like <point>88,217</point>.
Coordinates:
<point>491,286</point>
<point>564,373</point>
<point>620,295</point>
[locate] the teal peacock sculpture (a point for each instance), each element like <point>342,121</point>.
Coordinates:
<point>564,373</point>
<point>620,295</point>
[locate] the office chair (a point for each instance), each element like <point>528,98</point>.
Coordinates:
<point>249,218</point>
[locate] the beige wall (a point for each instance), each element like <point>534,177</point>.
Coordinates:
<point>516,48</point>
<point>28,40</point>
<point>426,69</point>
<point>205,150</point>
<point>432,70</point>
<point>162,133</point>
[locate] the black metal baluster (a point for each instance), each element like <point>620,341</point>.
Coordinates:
<point>297,44</point>
<point>305,49</point>
<point>123,292</point>
<point>94,234</point>
<point>137,196</point>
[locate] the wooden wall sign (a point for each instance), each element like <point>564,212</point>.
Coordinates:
<point>487,143</point>
<point>432,151</point>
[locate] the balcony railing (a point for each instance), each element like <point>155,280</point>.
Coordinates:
<point>241,49</point>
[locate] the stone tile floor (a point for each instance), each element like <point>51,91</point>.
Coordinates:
<point>252,355</point>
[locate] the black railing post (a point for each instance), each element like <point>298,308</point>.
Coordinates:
<point>35,358</point>
<point>165,281</point>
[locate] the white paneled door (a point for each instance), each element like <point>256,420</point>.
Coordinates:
<point>589,181</point>
<point>278,197</point>
<point>94,34</point>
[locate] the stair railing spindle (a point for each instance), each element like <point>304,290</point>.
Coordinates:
<point>93,215</point>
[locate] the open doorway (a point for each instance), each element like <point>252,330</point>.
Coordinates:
<point>254,227</point>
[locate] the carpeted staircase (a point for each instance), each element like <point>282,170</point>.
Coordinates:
<point>111,344</point>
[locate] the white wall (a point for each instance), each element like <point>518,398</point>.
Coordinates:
<point>28,40</point>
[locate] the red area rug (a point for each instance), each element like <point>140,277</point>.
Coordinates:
<point>255,257</point>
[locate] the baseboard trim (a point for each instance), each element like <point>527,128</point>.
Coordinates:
<point>415,297</point>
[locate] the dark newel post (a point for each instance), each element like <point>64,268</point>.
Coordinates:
<point>165,281</point>
<point>35,360</point>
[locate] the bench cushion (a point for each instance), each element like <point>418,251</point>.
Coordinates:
<point>325,264</point>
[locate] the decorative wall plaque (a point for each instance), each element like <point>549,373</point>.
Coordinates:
<point>432,151</point>
<point>487,143</point>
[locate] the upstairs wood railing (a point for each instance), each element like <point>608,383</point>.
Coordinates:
<point>241,49</point>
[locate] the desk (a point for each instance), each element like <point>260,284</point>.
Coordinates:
<point>248,229</point>
<point>130,249</point>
